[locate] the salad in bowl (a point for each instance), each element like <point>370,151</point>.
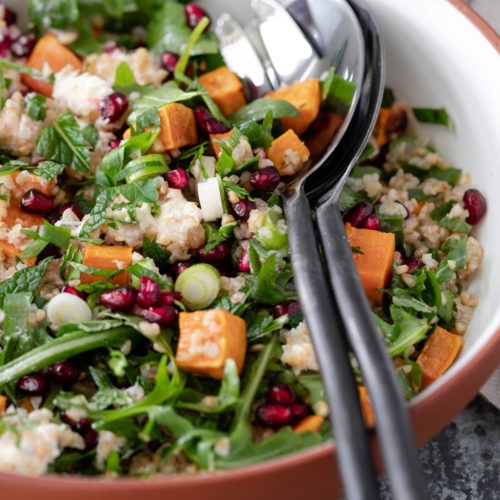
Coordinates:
<point>150,324</point>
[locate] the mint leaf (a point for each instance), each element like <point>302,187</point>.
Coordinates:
<point>45,14</point>
<point>25,280</point>
<point>35,106</point>
<point>49,169</point>
<point>64,142</point>
<point>157,252</point>
<point>97,217</point>
<point>140,191</point>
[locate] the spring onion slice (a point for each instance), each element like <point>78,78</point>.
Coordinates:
<point>199,285</point>
<point>436,116</point>
<point>211,199</point>
<point>16,307</point>
<point>144,167</point>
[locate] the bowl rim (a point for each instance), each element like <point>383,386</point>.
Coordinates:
<point>482,366</point>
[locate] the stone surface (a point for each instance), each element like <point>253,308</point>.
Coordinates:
<point>463,461</point>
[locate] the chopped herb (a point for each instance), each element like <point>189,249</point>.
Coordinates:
<point>436,116</point>
<point>35,106</point>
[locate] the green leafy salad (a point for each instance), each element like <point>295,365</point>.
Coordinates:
<point>149,322</point>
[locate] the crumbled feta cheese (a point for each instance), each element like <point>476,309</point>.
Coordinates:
<point>298,351</point>
<point>108,442</point>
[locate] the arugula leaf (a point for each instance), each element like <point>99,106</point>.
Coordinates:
<point>64,142</point>
<point>216,236</point>
<point>456,252</point>
<point>388,98</point>
<point>168,31</point>
<point>107,394</point>
<point>25,280</point>
<point>455,225</point>
<point>139,270</point>
<point>404,299</point>
<point>261,325</point>
<point>156,97</point>
<point>35,106</point>
<point>440,211</point>
<point>449,175</point>
<point>140,191</point>
<point>125,81</point>
<point>257,110</point>
<point>348,198</point>
<point>270,287</point>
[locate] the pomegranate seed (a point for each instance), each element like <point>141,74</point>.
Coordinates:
<point>193,14</point>
<point>218,254</point>
<point>114,143</point>
<point>148,294</point>
<point>73,291</point>
<point>178,267</point>
<point>111,47</point>
<point>23,45</point>
<point>119,299</point>
<point>288,307</point>
<point>280,394</point>
<point>168,298</point>
<point>299,411</point>
<point>74,207</point>
<point>114,106</point>
<point>265,179</point>
<point>9,16</point>
<point>274,415</point>
<point>413,263</point>
<point>36,202</point>
<point>475,204</point>
<point>53,217</point>
<point>242,208</point>
<point>358,213</point>
<point>88,433</point>
<point>33,385</point>
<point>63,373</point>
<point>169,61</point>
<point>244,263</point>
<point>177,178</point>
<point>5,44</point>
<point>163,315</point>
<point>208,123</point>
<point>49,251</point>
<point>371,222</point>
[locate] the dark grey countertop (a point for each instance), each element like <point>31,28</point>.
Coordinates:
<point>463,461</point>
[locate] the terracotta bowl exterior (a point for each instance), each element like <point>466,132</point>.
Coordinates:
<point>440,53</point>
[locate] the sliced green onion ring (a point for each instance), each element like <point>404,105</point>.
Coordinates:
<point>199,285</point>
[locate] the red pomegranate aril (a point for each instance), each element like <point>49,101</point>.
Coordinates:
<point>53,217</point>
<point>23,45</point>
<point>9,16</point>
<point>177,178</point>
<point>119,299</point>
<point>73,291</point>
<point>244,263</point>
<point>5,44</point>
<point>265,179</point>
<point>299,411</point>
<point>88,433</point>
<point>193,14</point>
<point>288,307</point>
<point>63,373</point>
<point>178,267</point>
<point>217,254</point>
<point>413,263</point>
<point>371,222</point>
<point>163,315</point>
<point>280,394</point>
<point>74,207</point>
<point>242,208</point>
<point>208,123</point>
<point>36,202</point>
<point>358,213</point>
<point>475,204</point>
<point>34,384</point>
<point>274,415</point>
<point>114,143</point>
<point>168,298</point>
<point>114,106</point>
<point>169,60</point>
<point>148,294</point>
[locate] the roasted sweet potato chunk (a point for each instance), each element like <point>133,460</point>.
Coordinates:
<point>288,153</point>
<point>106,257</point>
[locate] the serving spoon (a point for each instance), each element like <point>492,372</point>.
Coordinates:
<point>316,299</point>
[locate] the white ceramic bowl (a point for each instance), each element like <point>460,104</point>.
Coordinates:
<point>439,53</point>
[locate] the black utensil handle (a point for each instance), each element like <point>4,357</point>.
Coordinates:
<point>392,417</point>
<point>354,457</point>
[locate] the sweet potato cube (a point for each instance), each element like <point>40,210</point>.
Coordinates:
<point>3,405</point>
<point>106,257</point>
<point>366,406</point>
<point>306,97</point>
<point>288,153</point>
<point>49,51</point>
<point>177,126</point>
<point>321,132</point>
<point>391,122</point>
<point>215,139</point>
<point>207,339</point>
<point>225,88</point>
<point>373,259</point>
<point>11,251</point>
<point>438,354</point>
<point>310,423</point>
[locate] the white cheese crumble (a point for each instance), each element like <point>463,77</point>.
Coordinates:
<point>298,351</point>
